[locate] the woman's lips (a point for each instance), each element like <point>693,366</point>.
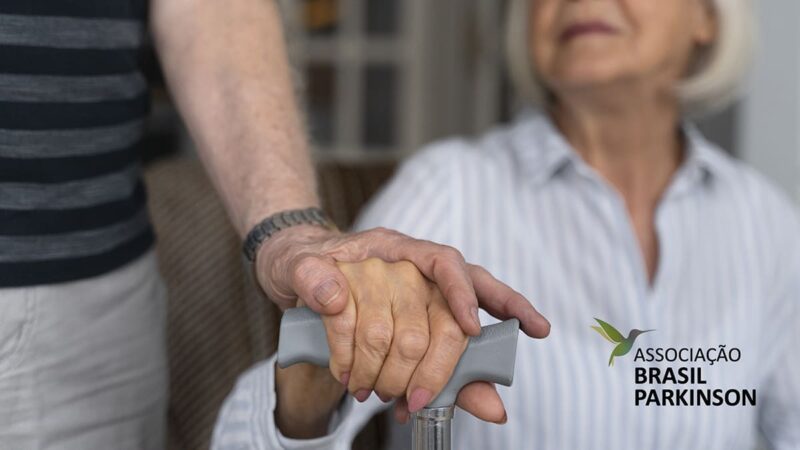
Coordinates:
<point>580,29</point>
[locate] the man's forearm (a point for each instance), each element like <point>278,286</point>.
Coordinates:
<point>226,67</point>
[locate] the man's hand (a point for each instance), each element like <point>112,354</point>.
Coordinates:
<point>300,262</point>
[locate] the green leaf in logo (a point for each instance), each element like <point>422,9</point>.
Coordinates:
<point>611,332</point>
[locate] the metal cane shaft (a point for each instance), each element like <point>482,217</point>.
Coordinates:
<point>488,357</point>
<point>431,428</point>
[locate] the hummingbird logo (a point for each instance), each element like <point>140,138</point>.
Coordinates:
<point>622,344</point>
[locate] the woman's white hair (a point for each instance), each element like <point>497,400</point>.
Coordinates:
<point>713,83</point>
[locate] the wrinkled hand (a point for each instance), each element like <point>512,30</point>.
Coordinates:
<point>300,262</point>
<point>397,337</point>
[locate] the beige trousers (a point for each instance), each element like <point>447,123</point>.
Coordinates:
<point>83,364</point>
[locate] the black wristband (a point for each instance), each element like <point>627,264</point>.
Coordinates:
<point>280,221</point>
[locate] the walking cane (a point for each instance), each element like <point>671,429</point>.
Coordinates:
<point>488,357</point>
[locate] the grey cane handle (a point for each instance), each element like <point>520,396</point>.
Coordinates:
<point>302,339</point>
<point>488,357</point>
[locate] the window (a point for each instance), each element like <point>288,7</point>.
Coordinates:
<point>383,77</point>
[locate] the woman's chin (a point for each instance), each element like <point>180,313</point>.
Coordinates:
<point>584,80</point>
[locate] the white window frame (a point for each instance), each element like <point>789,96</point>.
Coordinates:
<point>448,59</point>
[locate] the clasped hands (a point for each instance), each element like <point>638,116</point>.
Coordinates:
<point>397,312</point>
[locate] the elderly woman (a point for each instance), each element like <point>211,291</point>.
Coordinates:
<point>603,204</point>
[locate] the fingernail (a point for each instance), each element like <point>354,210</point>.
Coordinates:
<point>418,399</point>
<point>475,317</point>
<point>384,398</point>
<point>345,378</point>
<point>504,419</point>
<point>327,292</point>
<point>362,395</point>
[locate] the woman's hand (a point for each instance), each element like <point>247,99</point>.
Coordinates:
<point>398,338</point>
<point>395,336</point>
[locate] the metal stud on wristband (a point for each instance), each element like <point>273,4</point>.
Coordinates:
<point>280,221</point>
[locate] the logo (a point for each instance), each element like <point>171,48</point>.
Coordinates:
<point>622,344</point>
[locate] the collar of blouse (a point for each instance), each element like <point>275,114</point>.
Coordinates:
<point>543,154</point>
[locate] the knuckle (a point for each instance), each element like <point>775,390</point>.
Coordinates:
<point>452,254</point>
<point>409,273</point>
<point>480,269</point>
<point>383,232</point>
<point>343,326</point>
<point>376,338</point>
<point>304,268</point>
<point>406,267</point>
<point>412,345</point>
<point>373,264</point>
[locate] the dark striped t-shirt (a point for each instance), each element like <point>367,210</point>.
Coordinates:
<point>72,104</point>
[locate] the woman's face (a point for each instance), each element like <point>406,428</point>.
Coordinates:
<point>584,44</point>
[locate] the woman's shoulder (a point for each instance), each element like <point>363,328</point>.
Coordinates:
<point>435,180</point>
<point>770,209</point>
<point>493,149</point>
<point>759,200</point>
<point>750,184</point>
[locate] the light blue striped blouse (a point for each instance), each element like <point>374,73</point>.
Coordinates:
<point>522,203</point>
